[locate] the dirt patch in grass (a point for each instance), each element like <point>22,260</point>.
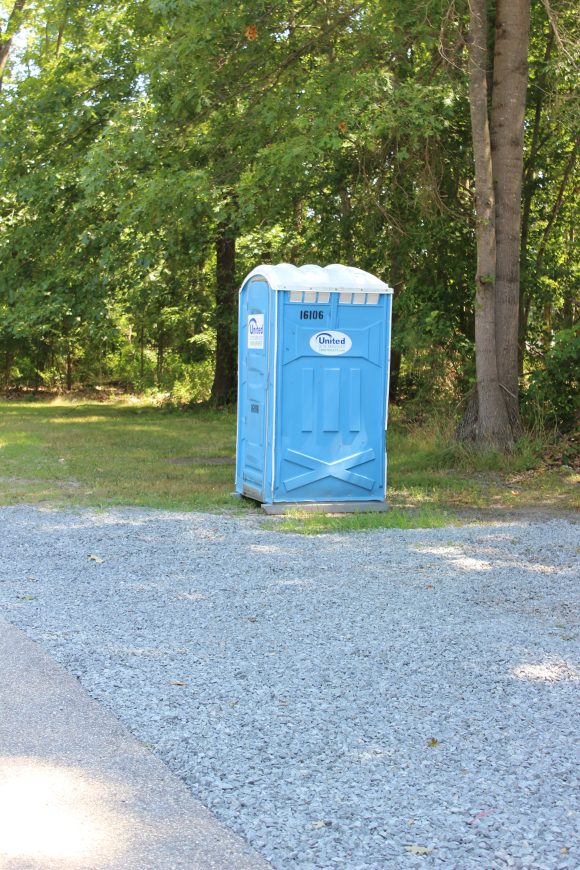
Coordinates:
<point>515,514</point>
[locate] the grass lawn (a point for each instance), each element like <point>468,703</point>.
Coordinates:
<point>122,453</point>
<point>132,453</point>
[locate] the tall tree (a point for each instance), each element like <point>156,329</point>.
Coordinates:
<point>510,75</point>
<point>492,419</point>
<point>225,378</point>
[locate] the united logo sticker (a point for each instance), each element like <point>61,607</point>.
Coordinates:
<point>256,331</point>
<point>330,343</point>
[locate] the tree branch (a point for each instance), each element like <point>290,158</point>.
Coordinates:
<point>12,26</point>
<point>554,25</point>
<point>557,204</point>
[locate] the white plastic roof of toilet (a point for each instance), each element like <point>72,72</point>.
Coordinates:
<point>333,279</point>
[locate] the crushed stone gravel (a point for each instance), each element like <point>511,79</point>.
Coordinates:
<point>386,699</point>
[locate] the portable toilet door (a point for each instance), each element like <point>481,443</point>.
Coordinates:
<point>314,348</point>
<point>256,354</point>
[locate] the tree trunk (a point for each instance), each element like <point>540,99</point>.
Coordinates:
<point>569,303</point>
<point>347,246</point>
<point>298,221</point>
<point>6,38</point>
<point>568,169</point>
<point>69,367</point>
<point>492,426</point>
<point>397,283</point>
<point>510,77</point>
<point>160,357</point>
<point>493,411</point>
<point>142,356</point>
<point>394,373</point>
<point>59,38</point>
<point>8,362</point>
<point>529,187</point>
<point>223,390</point>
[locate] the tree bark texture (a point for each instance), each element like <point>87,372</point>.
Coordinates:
<point>491,424</point>
<point>529,188</point>
<point>498,155</point>
<point>508,105</point>
<point>6,38</point>
<point>224,386</point>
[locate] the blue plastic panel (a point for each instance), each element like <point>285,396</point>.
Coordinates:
<point>331,401</point>
<point>253,405</point>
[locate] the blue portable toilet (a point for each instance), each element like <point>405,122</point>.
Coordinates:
<point>313,375</point>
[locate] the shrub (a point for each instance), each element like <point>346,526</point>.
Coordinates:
<point>554,390</point>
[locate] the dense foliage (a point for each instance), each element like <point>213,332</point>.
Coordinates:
<point>153,151</point>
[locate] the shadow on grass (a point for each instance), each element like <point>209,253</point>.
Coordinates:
<point>125,453</point>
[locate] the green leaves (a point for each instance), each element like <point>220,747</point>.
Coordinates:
<point>318,132</point>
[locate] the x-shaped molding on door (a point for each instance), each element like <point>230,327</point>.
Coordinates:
<point>319,469</point>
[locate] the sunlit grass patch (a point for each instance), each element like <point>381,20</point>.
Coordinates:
<point>89,418</point>
<point>130,452</point>
<point>306,523</point>
<point>117,453</point>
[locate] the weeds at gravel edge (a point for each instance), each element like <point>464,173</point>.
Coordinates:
<point>303,523</point>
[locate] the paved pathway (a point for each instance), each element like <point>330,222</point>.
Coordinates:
<point>78,792</point>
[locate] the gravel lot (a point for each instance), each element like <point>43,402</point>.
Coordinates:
<point>385,699</point>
